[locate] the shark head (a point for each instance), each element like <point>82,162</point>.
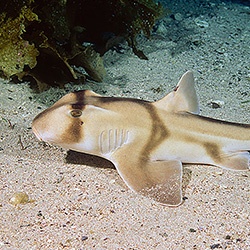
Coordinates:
<point>65,122</point>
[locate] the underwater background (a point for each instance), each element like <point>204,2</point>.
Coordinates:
<point>75,201</point>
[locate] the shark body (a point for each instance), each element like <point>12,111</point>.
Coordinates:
<point>146,141</point>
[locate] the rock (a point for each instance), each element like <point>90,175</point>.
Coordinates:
<point>19,198</point>
<point>178,17</point>
<point>201,23</point>
<point>216,104</point>
<point>161,28</point>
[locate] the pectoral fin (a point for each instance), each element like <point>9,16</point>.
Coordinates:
<point>164,178</point>
<point>159,180</point>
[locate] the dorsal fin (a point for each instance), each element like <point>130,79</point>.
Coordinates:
<point>183,98</point>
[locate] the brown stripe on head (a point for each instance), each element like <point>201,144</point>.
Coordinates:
<point>80,95</point>
<point>86,97</point>
<point>74,132</point>
<point>78,105</point>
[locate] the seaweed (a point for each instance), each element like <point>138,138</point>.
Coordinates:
<point>43,39</point>
<point>15,52</point>
<point>105,20</point>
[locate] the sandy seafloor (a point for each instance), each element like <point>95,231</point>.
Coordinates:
<point>80,202</point>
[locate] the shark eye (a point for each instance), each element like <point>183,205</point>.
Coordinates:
<point>76,112</point>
